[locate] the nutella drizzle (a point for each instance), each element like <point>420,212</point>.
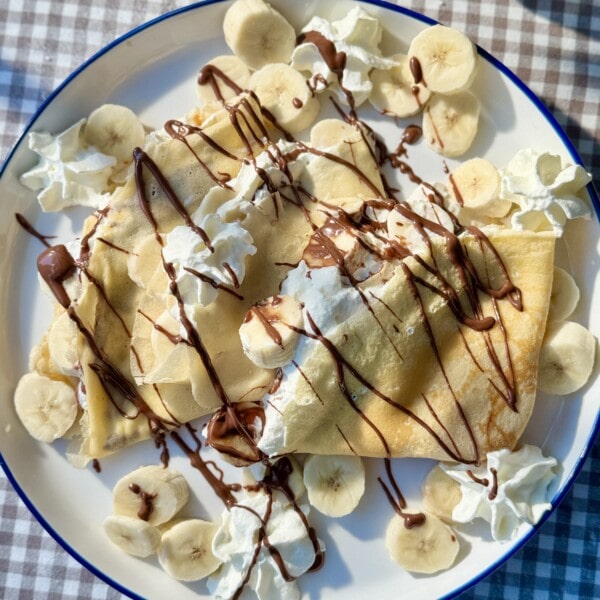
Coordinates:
<point>146,500</point>
<point>28,227</point>
<point>481,481</point>
<point>416,70</point>
<point>494,490</point>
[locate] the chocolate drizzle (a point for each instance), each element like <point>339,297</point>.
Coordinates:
<point>146,501</point>
<point>28,227</point>
<point>397,500</point>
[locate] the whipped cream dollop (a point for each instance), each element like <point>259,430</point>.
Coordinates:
<point>69,172</point>
<point>198,267</point>
<point>239,536</point>
<point>221,216</point>
<point>326,297</point>
<point>511,488</point>
<point>329,301</point>
<point>545,190</point>
<point>357,35</point>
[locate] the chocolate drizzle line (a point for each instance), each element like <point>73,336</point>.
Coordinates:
<point>397,500</point>
<point>146,500</point>
<point>494,490</point>
<point>484,482</point>
<point>28,227</point>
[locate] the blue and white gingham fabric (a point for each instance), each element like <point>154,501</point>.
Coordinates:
<point>554,47</point>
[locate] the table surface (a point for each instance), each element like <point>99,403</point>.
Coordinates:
<point>553,46</point>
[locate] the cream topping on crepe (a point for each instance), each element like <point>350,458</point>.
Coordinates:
<point>509,489</point>
<point>222,263</point>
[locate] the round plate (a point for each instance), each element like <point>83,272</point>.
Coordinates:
<point>153,70</point>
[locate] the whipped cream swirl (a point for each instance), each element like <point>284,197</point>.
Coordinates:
<point>235,543</point>
<point>357,35</point>
<point>198,268</point>
<point>545,190</point>
<point>511,488</point>
<point>69,171</point>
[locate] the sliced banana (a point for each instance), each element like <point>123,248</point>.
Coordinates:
<point>450,123</point>
<point>132,535</point>
<point>267,334</point>
<point>258,34</point>
<point>185,550</point>
<point>62,345</point>
<point>115,130</point>
<point>440,494</point>
<point>447,59</point>
<point>283,92</point>
<point>426,548</point>
<point>395,91</point>
<point>566,357</point>
<point>233,68</point>
<point>564,296</point>
<point>47,408</point>
<point>335,484</point>
<point>476,185</point>
<point>152,493</point>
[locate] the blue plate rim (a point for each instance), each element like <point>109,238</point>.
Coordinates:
<point>503,69</point>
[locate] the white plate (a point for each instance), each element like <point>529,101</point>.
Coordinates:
<point>152,70</point>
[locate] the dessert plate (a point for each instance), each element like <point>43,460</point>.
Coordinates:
<point>153,70</point>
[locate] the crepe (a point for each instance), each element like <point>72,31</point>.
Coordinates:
<point>380,384</point>
<point>115,315</point>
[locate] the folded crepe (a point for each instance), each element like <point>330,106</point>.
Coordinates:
<point>404,376</point>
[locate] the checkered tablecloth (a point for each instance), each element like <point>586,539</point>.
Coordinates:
<point>553,45</point>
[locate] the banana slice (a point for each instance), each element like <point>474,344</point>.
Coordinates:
<point>62,345</point>
<point>185,550</point>
<point>335,484</point>
<point>134,536</point>
<point>327,133</point>
<point>47,408</point>
<point>476,186</point>
<point>566,357</point>
<point>153,493</point>
<point>564,296</point>
<point>267,334</point>
<point>450,123</point>
<point>258,34</point>
<point>446,59</point>
<point>283,92</point>
<point>425,548</point>
<point>232,67</point>
<point>395,91</point>
<point>115,130</point>
<point>440,494</point>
